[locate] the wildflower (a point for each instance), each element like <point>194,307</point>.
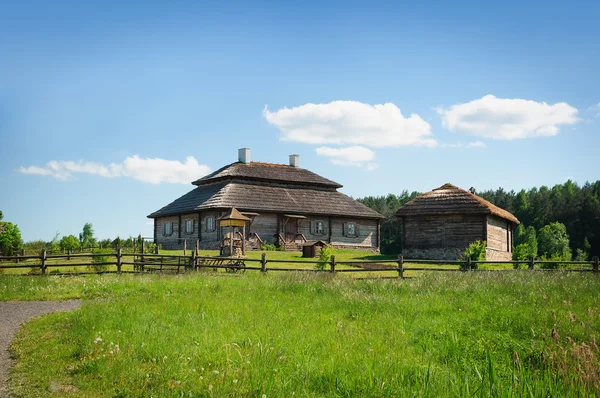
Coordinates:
<point>235,381</point>
<point>97,340</point>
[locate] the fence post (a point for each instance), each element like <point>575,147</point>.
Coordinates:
<point>400,266</point>
<point>119,260</point>
<point>197,247</point>
<point>332,263</point>
<point>193,260</point>
<point>43,257</point>
<point>531,262</point>
<point>263,263</point>
<point>595,265</point>
<point>156,249</point>
<point>184,247</point>
<point>469,263</point>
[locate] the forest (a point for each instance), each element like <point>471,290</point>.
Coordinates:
<point>576,207</point>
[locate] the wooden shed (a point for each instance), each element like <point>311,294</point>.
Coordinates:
<point>312,248</point>
<point>440,224</point>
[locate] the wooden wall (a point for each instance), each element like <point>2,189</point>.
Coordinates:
<point>499,234</point>
<point>443,231</point>
<point>367,233</point>
<point>265,225</point>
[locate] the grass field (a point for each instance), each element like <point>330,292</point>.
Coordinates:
<point>211,334</point>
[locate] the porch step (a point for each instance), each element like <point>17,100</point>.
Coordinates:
<point>293,247</point>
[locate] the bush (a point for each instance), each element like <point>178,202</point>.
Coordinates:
<point>475,251</point>
<point>554,257</point>
<point>269,247</point>
<point>97,265</point>
<point>324,256</point>
<point>522,252</point>
<point>35,246</point>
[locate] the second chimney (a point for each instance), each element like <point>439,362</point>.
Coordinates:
<point>294,160</point>
<point>244,155</point>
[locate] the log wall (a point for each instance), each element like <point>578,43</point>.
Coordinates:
<point>498,234</point>
<point>444,231</point>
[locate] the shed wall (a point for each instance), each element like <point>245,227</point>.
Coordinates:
<point>444,231</point>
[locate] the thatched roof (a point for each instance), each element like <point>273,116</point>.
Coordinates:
<point>449,199</point>
<point>267,172</point>
<point>260,197</point>
<point>234,214</point>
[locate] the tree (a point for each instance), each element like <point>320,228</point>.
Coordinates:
<point>69,242</point>
<point>553,242</point>
<point>55,244</point>
<point>86,238</point>
<point>10,238</point>
<point>1,216</point>
<point>116,243</point>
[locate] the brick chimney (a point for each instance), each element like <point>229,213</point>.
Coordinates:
<point>295,160</point>
<point>244,155</point>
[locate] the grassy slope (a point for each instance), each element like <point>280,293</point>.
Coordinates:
<point>307,335</point>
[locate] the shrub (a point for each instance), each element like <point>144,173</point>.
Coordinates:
<point>475,251</point>
<point>554,257</point>
<point>35,245</point>
<point>522,252</point>
<point>324,256</point>
<point>581,255</point>
<point>269,247</point>
<point>97,262</point>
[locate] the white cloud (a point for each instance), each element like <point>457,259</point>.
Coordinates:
<point>349,156</point>
<point>149,170</point>
<point>508,119</point>
<point>474,144</point>
<point>351,122</point>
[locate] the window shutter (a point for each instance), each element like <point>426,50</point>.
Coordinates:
<point>325,228</point>
<point>313,227</point>
<point>344,228</point>
<point>356,230</point>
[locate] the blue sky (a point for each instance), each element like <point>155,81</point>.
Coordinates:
<point>102,105</point>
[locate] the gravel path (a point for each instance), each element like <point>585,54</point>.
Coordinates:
<point>12,316</point>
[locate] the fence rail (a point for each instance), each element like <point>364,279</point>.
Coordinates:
<point>147,263</point>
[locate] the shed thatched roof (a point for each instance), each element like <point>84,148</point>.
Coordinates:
<point>270,172</point>
<point>234,214</point>
<point>254,196</point>
<point>449,199</point>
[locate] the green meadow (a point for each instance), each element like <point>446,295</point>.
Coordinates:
<point>311,335</point>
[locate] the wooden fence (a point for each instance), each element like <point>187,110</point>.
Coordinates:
<point>122,262</point>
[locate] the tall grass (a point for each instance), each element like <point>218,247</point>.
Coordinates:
<point>313,335</point>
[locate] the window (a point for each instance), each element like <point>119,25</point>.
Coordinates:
<point>167,228</point>
<point>319,228</point>
<point>351,230</point>
<point>189,226</point>
<point>210,224</point>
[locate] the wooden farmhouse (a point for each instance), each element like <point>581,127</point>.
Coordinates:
<point>286,206</point>
<point>440,224</point>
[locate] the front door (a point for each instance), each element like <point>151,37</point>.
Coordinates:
<point>291,229</point>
